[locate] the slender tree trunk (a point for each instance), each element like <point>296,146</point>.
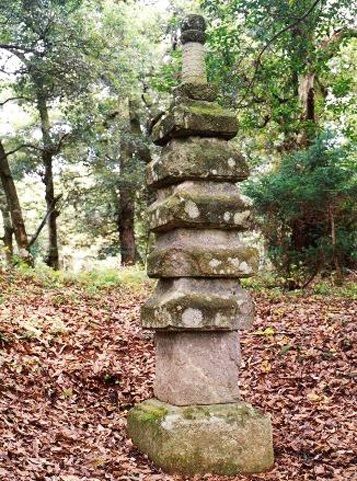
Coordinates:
<point>8,231</point>
<point>14,206</point>
<point>132,150</point>
<point>307,101</point>
<point>334,249</point>
<point>126,223</point>
<point>52,259</point>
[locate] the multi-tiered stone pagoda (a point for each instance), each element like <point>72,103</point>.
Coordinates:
<point>197,423</point>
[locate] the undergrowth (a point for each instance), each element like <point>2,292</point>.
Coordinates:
<point>93,281</point>
<point>321,287</point>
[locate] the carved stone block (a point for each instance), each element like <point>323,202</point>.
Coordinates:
<point>201,253</point>
<point>204,205</point>
<point>198,304</point>
<point>197,367</point>
<point>195,118</point>
<point>197,159</point>
<point>225,439</point>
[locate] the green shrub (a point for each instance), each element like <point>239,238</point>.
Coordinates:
<point>91,280</point>
<point>307,212</point>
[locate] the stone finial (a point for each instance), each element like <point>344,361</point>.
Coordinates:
<point>193,29</point>
<point>193,37</point>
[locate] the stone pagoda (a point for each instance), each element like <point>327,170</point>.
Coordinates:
<point>197,423</point>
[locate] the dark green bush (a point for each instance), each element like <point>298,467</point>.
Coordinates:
<point>306,208</point>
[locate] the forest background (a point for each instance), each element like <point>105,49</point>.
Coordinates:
<point>82,83</point>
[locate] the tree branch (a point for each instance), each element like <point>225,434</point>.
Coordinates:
<point>29,146</point>
<point>10,152</point>
<point>11,47</point>
<point>10,99</point>
<point>329,44</point>
<point>44,220</point>
<point>19,52</point>
<point>61,141</point>
<point>273,38</point>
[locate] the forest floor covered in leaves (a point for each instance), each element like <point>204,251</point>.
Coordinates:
<point>74,360</point>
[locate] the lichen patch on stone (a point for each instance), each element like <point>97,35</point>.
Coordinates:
<point>235,262</point>
<point>169,421</point>
<point>191,209</point>
<point>192,317</point>
<point>240,217</point>
<point>214,263</point>
<point>244,267</point>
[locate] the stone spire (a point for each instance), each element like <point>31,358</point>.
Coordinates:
<point>197,422</point>
<point>193,54</point>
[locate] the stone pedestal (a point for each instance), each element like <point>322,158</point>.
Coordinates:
<point>219,438</point>
<point>197,423</point>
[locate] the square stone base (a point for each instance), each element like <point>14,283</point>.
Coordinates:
<point>225,439</point>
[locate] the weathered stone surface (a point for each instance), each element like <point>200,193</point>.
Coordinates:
<point>194,91</point>
<point>195,118</point>
<point>208,205</point>
<point>197,367</point>
<point>193,28</point>
<point>201,253</point>
<point>197,158</point>
<point>193,62</point>
<point>198,304</point>
<point>223,439</point>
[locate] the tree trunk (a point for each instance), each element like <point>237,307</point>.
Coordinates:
<point>52,259</point>
<point>335,258</point>
<point>132,150</point>
<point>307,101</point>
<point>126,218</point>
<point>8,231</point>
<point>14,206</point>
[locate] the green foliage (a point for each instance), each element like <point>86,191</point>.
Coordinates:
<point>169,74</point>
<point>86,58</point>
<point>325,288</point>
<point>268,283</point>
<point>92,280</point>
<point>52,43</point>
<point>90,56</point>
<point>98,279</point>
<point>259,53</point>
<point>307,210</point>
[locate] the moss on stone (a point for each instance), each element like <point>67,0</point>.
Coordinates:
<point>203,439</point>
<point>206,108</point>
<point>211,211</point>
<point>188,413</point>
<point>200,261</point>
<point>151,413</point>
<point>195,118</point>
<point>195,412</point>
<point>194,158</point>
